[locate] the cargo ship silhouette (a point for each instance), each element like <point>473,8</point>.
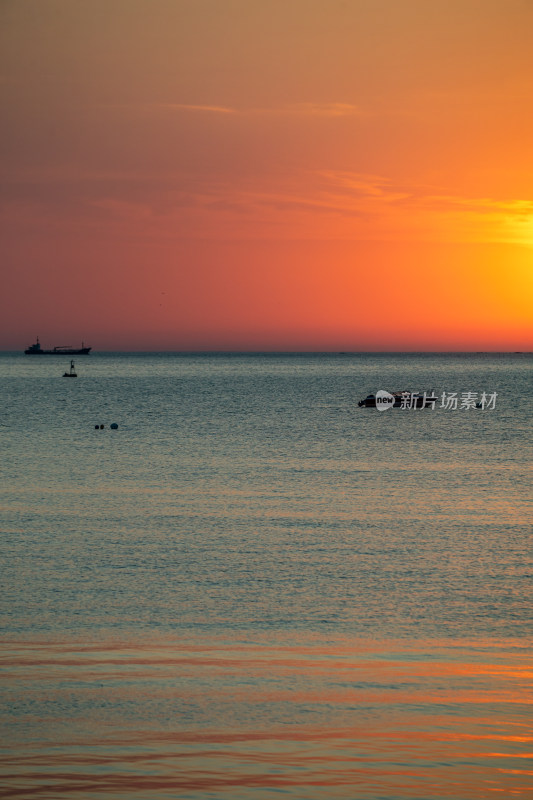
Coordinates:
<point>64,350</point>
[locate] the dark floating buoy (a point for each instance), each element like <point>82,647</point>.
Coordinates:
<point>97,427</point>
<point>113,426</point>
<point>72,373</point>
<point>102,427</point>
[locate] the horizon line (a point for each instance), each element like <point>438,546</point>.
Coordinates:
<point>298,352</point>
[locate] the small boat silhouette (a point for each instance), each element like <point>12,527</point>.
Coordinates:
<point>72,373</point>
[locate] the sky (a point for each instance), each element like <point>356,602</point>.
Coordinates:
<point>351,175</point>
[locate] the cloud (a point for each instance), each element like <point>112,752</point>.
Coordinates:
<point>324,109</point>
<point>189,107</point>
<point>358,184</point>
<point>322,203</point>
<point>484,205</point>
<point>407,209</point>
<point>307,109</point>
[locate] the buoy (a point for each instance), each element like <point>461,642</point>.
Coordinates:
<point>97,427</point>
<point>102,427</point>
<point>72,373</point>
<point>114,426</point>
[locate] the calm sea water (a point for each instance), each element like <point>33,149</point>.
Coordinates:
<point>255,589</point>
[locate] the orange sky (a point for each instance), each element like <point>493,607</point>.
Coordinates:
<point>281,175</point>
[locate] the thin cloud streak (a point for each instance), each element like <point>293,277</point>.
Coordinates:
<point>187,107</point>
<point>322,203</point>
<point>306,109</point>
<point>296,109</point>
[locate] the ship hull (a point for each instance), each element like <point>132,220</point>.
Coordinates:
<point>83,351</point>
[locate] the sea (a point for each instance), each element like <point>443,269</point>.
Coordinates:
<point>254,589</point>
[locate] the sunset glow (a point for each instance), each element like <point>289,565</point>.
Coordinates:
<point>389,747</point>
<point>241,175</point>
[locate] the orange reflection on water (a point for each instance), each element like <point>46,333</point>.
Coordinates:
<point>159,718</point>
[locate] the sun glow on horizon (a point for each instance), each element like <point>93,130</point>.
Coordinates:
<point>280,174</point>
